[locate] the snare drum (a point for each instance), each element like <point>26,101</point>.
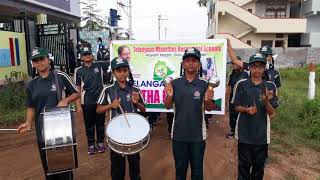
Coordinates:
<point>127,140</point>
<point>60,140</point>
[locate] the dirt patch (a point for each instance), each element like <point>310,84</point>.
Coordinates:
<point>19,158</point>
<point>302,164</point>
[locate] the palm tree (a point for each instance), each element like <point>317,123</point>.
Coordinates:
<point>90,16</point>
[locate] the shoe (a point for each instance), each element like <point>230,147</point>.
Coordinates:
<point>266,163</point>
<point>101,148</point>
<point>230,135</point>
<point>91,150</point>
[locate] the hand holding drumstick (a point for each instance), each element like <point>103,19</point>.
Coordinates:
<point>115,105</point>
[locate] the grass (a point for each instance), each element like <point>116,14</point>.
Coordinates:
<point>298,119</point>
<point>290,176</point>
<point>273,159</point>
<point>12,106</point>
<point>12,117</point>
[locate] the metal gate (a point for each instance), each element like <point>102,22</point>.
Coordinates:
<point>54,37</point>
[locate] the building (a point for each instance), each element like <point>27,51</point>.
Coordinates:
<point>46,23</point>
<point>311,10</point>
<point>254,23</point>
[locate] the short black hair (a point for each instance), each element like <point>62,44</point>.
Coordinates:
<point>121,48</point>
<point>100,39</point>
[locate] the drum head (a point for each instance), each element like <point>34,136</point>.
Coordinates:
<point>119,131</point>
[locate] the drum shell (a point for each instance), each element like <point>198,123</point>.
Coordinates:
<point>61,156</point>
<point>128,149</point>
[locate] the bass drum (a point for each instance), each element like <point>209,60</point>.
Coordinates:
<point>60,140</point>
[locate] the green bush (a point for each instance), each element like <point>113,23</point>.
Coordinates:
<point>12,106</point>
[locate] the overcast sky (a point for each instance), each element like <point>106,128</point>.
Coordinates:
<point>186,20</point>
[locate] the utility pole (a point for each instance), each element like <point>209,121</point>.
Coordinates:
<point>165,33</point>
<point>159,25</point>
<point>129,14</point>
<point>130,19</point>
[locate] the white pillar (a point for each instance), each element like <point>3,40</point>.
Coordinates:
<point>312,84</point>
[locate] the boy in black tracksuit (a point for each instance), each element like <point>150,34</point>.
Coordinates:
<point>190,97</point>
<point>270,74</point>
<point>255,99</point>
<point>125,93</point>
<point>236,74</point>
<point>89,81</point>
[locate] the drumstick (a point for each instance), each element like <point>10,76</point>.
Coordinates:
<point>124,114</point>
<point>12,130</point>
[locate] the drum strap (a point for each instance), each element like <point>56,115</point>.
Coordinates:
<point>57,85</point>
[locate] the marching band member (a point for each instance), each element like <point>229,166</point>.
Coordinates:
<point>123,93</point>
<point>256,100</point>
<point>42,93</point>
<point>189,96</point>
<point>89,81</point>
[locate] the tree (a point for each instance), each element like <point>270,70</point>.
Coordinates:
<point>123,36</point>
<point>203,3</point>
<point>90,16</point>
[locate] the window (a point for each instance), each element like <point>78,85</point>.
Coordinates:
<point>279,43</point>
<point>279,35</point>
<point>276,11</point>
<point>249,42</point>
<point>267,42</point>
<point>250,10</point>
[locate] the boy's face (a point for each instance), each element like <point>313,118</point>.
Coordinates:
<point>121,73</point>
<point>269,58</point>
<point>257,69</point>
<point>87,57</point>
<point>191,64</point>
<point>41,64</point>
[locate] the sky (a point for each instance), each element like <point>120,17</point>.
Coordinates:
<point>186,20</point>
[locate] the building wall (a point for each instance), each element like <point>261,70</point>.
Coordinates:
<point>257,38</point>
<point>312,37</point>
<point>310,6</point>
<point>309,10</point>
<point>287,57</point>
<point>231,25</point>
<point>251,5</point>
<point>313,24</point>
<point>260,9</point>
<point>75,7</point>
<point>71,7</point>
<point>316,5</point>
<point>61,4</point>
<point>315,40</point>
